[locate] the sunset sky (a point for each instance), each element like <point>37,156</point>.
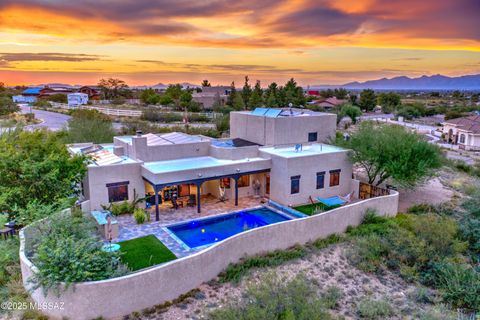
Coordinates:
<point>317,42</point>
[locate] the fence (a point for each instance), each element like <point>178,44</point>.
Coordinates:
<point>367,191</point>
<point>116,297</point>
<point>129,112</point>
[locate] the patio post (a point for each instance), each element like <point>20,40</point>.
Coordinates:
<point>157,212</point>
<point>236,189</point>
<point>199,184</point>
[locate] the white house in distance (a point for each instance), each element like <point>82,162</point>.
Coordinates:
<point>77,99</point>
<point>464,132</point>
<point>278,154</point>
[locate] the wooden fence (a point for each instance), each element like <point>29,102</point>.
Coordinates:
<point>367,191</point>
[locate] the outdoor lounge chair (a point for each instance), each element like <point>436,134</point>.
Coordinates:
<point>222,197</point>
<point>337,200</point>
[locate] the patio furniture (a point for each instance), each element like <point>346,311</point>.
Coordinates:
<point>191,200</point>
<point>6,232</point>
<point>102,223</point>
<point>332,201</point>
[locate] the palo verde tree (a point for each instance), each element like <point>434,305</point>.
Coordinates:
<point>392,152</point>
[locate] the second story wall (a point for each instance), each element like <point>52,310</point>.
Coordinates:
<point>282,130</point>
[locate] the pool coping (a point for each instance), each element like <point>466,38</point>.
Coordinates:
<point>199,248</point>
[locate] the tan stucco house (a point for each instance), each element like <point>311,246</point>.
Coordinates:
<point>280,154</point>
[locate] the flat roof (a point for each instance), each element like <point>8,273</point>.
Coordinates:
<point>192,163</point>
<point>302,150</point>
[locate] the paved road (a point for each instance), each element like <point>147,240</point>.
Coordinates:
<point>51,120</point>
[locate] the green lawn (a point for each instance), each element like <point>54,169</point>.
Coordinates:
<point>309,209</point>
<point>144,252</point>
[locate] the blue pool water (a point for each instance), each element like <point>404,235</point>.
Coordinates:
<point>203,232</point>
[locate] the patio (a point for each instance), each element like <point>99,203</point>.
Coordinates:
<point>129,229</point>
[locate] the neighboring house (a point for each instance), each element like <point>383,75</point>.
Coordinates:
<point>77,99</point>
<point>50,91</point>
<point>93,92</point>
<point>29,95</point>
<point>328,103</point>
<point>465,132</point>
<point>274,153</point>
<point>209,95</point>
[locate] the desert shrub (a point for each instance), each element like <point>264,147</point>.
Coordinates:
<point>459,284</point>
<point>368,252</point>
<point>274,298</point>
<point>234,272</point>
<point>123,207</point>
<point>374,309</point>
<point>372,223</point>
<point>438,312</point>
<point>423,295</point>
<point>470,231</point>
<point>331,296</point>
<point>139,215</point>
<point>69,251</point>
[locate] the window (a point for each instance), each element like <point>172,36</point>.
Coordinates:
<point>225,183</point>
<point>294,184</point>
<point>312,136</point>
<point>334,177</point>
<point>117,191</point>
<point>244,181</point>
<point>320,180</point>
<point>462,138</point>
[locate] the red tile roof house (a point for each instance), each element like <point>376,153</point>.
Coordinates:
<point>463,131</point>
<point>329,103</point>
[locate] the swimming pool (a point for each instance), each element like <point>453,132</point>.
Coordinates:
<point>199,233</point>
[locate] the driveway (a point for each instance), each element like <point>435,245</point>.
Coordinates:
<point>51,120</point>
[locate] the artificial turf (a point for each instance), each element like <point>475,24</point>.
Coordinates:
<point>309,209</point>
<point>144,252</point>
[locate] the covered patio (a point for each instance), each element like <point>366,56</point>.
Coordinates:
<point>192,202</point>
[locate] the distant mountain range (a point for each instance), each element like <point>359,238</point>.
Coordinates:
<point>436,82</point>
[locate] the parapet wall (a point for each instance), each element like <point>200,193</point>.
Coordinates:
<point>116,297</point>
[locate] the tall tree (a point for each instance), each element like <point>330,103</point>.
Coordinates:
<point>256,98</point>
<point>340,93</point>
<point>206,83</point>
<point>232,95</point>
<point>293,94</point>
<point>271,95</point>
<point>149,96</point>
<point>392,152</point>
<point>174,91</point>
<point>368,100</point>
<point>389,101</point>
<point>112,88</point>
<point>246,93</point>
<point>36,166</point>
<point>238,103</point>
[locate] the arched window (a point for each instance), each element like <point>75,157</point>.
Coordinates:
<point>462,138</point>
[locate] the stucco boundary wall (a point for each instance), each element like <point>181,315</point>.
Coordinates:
<point>117,297</point>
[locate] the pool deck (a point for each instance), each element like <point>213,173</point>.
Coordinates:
<point>129,229</point>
